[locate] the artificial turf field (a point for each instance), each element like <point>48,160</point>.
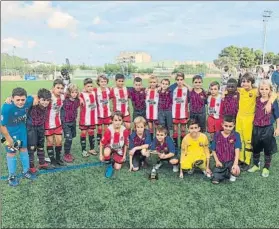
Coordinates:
<point>84,198</point>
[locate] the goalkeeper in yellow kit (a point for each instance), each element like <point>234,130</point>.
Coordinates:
<point>245,117</point>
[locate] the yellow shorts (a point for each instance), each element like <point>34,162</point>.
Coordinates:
<point>186,162</point>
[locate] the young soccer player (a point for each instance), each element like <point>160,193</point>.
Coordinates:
<point>180,112</point>
<point>53,125</point>
<point>139,142</point>
<point>36,118</point>
<point>225,147</point>
<point>13,128</point>
<point>119,96</point>
<point>114,144</point>
<point>225,77</point>
<point>245,118</point>
<point>88,117</point>
<point>164,146</point>
<point>137,96</point>
<point>68,118</point>
<point>198,99</point>
<point>152,100</point>
<point>214,101</point>
<point>230,99</point>
<point>104,112</point>
<point>263,132</point>
<point>194,150</point>
<point>165,104</point>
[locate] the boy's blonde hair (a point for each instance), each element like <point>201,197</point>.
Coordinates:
<point>72,87</point>
<point>265,82</point>
<point>138,120</point>
<point>161,128</point>
<point>153,77</point>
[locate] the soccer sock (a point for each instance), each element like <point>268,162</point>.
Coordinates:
<point>24,157</point>
<point>11,163</point>
<point>68,144</point>
<point>267,161</point>
<point>256,158</point>
<point>99,137</point>
<point>41,156</point>
<point>91,141</point>
<point>175,140</point>
<point>83,141</point>
<point>50,152</point>
<point>107,159</point>
<point>31,153</point>
<point>58,152</point>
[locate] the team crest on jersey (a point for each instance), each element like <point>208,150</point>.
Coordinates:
<point>202,97</point>
<point>217,104</point>
<point>122,138</point>
<point>250,95</point>
<point>2,118</point>
<point>231,141</point>
<point>15,113</point>
<point>201,144</point>
<point>184,94</point>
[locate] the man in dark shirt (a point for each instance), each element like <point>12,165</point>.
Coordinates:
<point>36,131</point>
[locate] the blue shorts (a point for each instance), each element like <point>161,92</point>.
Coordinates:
<point>22,136</point>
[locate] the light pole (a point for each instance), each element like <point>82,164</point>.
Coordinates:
<point>266,16</point>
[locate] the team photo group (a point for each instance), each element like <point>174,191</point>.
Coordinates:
<point>219,131</point>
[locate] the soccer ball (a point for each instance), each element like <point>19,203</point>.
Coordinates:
<point>235,171</point>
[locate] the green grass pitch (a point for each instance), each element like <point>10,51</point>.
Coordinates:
<point>84,198</point>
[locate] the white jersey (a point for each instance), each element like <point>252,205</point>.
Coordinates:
<point>89,111</point>
<point>214,106</point>
<point>180,103</point>
<point>152,101</point>
<point>53,114</point>
<point>103,102</point>
<point>120,100</point>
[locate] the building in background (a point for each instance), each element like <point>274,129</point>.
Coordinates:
<point>133,57</point>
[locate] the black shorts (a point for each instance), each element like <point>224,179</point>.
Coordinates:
<point>36,136</point>
<point>138,158</point>
<point>263,139</point>
<point>70,129</point>
<point>222,173</point>
<point>201,119</point>
<point>137,113</point>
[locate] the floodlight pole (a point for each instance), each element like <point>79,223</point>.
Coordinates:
<point>266,16</point>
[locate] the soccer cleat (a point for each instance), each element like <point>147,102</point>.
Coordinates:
<point>33,170</point>
<point>265,172</point>
<point>29,176</point>
<point>254,169</point>
<point>60,162</point>
<point>85,153</point>
<point>158,165</point>
<point>47,159</point>
<point>197,163</point>
<point>13,181</point>
<point>244,167</point>
<point>109,171</point>
<point>232,178</point>
<point>46,166</point>
<point>175,168</point>
<point>68,158</point>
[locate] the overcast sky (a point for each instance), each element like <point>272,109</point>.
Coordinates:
<point>95,32</point>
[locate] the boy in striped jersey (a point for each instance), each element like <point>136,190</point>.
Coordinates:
<point>53,125</point>
<point>119,96</point>
<point>88,117</point>
<point>104,112</point>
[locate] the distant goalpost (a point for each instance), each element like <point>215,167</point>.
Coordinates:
<point>83,74</point>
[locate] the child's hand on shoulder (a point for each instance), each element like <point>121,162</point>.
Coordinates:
<point>8,100</point>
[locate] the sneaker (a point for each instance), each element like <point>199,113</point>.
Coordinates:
<point>175,168</point>
<point>29,176</point>
<point>109,171</point>
<point>254,169</point>
<point>13,181</point>
<point>244,167</point>
<point>33,170</point>
<point>232,178</point>
<point>265,172</point>
<point>46,166</point>
<point>68,158</point>
<point>158,165</point>
<point>60,162</point>
<point>85,153</point>
<point>47,159</point>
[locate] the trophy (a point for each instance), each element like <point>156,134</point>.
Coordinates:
<point>16,146</point>
<point>153,175</point>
